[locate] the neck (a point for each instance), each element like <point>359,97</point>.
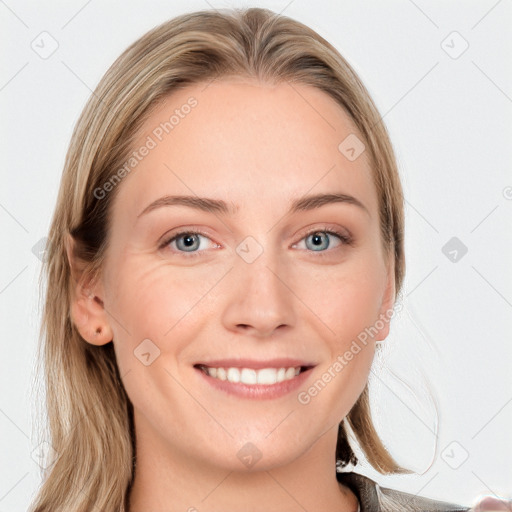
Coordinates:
<point>166,479</point>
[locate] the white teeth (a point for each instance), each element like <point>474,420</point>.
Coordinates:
<point>233,375</point>
<point>290,373</point>
<point>267,376</point>
<point>249,376</point>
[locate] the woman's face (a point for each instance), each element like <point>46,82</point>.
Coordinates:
<point>262,287</point>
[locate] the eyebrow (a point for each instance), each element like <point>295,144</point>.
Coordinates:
<point>219,206</point>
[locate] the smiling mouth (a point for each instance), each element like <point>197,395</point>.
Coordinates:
<point>251,376</point>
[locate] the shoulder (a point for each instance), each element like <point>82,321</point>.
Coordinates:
<point>373,498</point>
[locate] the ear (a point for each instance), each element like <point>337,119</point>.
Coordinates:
<point>87,309</point>
<point>388,301</point>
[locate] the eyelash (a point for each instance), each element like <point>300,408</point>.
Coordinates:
<point>345,240</point>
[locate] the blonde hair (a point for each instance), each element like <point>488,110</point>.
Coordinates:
<point>90,416</point>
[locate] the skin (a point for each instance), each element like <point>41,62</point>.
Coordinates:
<point>259,146</point>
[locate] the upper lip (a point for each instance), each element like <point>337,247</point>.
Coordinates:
<point>284,362</point>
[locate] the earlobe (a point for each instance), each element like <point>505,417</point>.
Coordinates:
<point>90,318</point>
<point>388,301</point>
<point>87,310</point>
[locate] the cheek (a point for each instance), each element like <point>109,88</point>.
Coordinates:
<point>346,302</point>
<point>345,299</point>
<point>158,314</point>
<point>155,303</point>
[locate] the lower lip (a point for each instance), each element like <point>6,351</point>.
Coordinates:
<point>257,391</point>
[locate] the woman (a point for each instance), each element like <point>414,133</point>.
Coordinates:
<point>225,254</point>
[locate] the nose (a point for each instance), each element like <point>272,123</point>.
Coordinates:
<point>259,299</point>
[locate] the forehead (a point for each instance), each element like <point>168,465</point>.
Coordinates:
<point>271,143</point>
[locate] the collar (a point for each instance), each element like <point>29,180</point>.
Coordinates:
<point>373,498</point>
<point>364,488</point>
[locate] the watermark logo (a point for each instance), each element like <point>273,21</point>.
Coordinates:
<point>249,454</point>
<point>151,142</point>
<point>454,45</point>
<point>179,114</point>
<point>44,455</point>
<point>146,352</point>
<point>454,249</point>
<point>249,249</point>
<point>305,397</point>
<point>39,249</point>
<point>352,147</point>
<point>455,455</point>
<point>45,45</point>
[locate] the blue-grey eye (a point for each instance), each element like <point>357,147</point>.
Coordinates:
<point>190,243</point>
<point>319,239</point>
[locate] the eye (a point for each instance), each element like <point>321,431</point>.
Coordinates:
<point>319,239</point>
<point>189,242</point>
<point>186,242</point>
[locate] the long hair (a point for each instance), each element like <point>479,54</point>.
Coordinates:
<point>90,417</point>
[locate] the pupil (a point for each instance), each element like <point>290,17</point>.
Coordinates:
<point>317,239</point>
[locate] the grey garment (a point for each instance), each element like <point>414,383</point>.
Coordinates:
<point>373,498</point>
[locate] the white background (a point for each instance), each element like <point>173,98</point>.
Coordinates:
<point>450,123</point>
